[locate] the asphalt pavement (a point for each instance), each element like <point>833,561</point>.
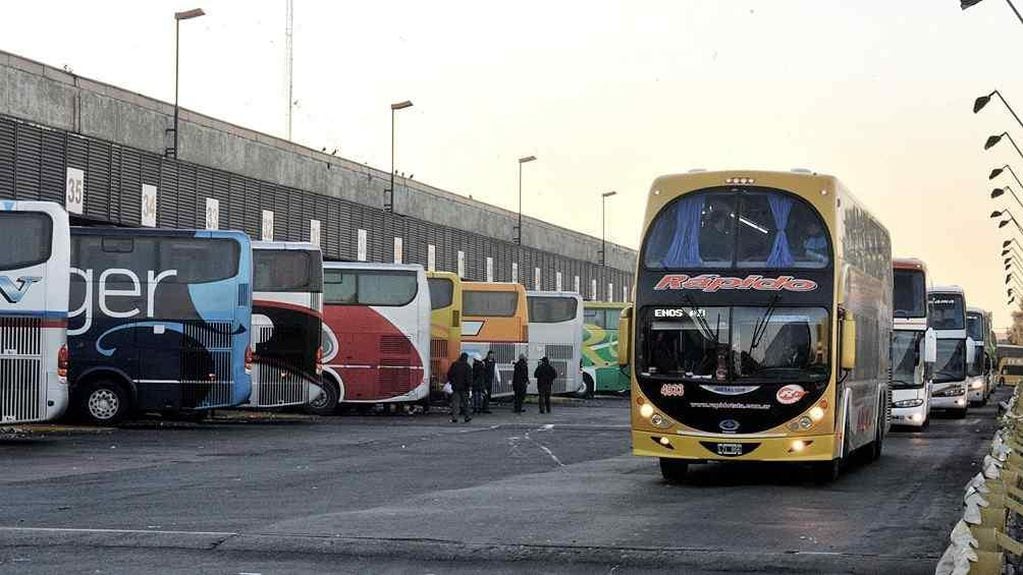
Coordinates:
<point>506,493</point>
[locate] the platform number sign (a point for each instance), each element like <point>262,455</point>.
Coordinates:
<point>557,281</point>
<point>575,282</point>
<point>212,214</point>
<point>593,290</point>
<point>148,206</point>
<point>361,247</point>
<point>267,230</point>
<point>536,279</point>
<point>314,232</point>
<point>75,195</point>
<point>625,293</point>
<point>461,264</point>
<point>490,269</point>
<point>399,248</point>
<point>610,292</point>
<point>515,272</point>
<point>431,258</point>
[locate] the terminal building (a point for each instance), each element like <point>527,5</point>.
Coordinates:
<point>102,151</point>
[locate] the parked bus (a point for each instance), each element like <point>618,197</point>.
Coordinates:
<point>601,373</point>
<point>287,324</point>
<point>947,317</point>
<point>913,345</point>
<point>33,311</point>
<point>762,321</point>
<point>376,336</point>
<point>1010,370</point>
<point>555,328</point>
<point>495,318</point>
<point>977,372</point>
<point>445,327</point>
<point>159,321</point>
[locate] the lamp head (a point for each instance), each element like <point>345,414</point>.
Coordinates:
<point>997,192</point>
<point>995,173</point>
<point>1006,243</point>
<point>189,14</point>
<point>991,141</point>
<point>401,105</point>
<point>527,159</point>
<point>982,101</point>
<point>1003,223</point>
<point>996,213</point>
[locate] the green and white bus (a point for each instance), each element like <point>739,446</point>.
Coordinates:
<point>601,372</point>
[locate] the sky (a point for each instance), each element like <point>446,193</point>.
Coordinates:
<point>608,95</point>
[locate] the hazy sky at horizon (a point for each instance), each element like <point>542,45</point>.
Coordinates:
<point>608,95</point>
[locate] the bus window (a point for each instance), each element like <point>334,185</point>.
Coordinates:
<point>946,311</point>
<point>489,303</point>
<point>552,309</point>
<point>695,231</point>
<point>781,345</point>
<point>594,317</point>
<point>442,292</point>
<point>374,288</point>
<point>776,230</point>
<point>951,361</point>
<point>613,316</point>
<point>687,346</point>
<point>339,287</point>
<point>199,260</point>
<point>910,294</point>
<point>286,270</point>
<point>31,233</point>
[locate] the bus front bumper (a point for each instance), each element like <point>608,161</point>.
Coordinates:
<point>910,416</point>
<point>734,448</point>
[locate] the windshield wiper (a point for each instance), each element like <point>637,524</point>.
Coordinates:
<point>760,328</point>
<point>702,321</point>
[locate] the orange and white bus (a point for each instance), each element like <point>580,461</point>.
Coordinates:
<point>495,318</point>
<point>445,326</point>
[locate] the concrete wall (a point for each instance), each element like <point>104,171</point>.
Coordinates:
<point>49,96</point>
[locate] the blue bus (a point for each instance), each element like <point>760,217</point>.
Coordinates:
<point>159,321</point>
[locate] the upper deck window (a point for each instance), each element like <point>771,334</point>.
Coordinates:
<point>287,270</point>
<point>910,297</point>
<point>552,309</point>
<point>369,287</point>
<point>26,238</point>
<point>726,228</point>
<point>946,311</point>
<point>489,303</point>
<point>975,326</point>
<point>442,292</point>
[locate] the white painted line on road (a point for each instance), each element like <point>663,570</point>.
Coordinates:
<point>113,531</point>
<point>551,453</point>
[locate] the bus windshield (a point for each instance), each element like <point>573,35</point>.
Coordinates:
<point>724,228</point>
<point>287,270</point>
<point>975,326</point>
<point>946,311</point>
<point>745,344</point>
<point>26,237</point>
<point>951,361</point>
<point>906,358</point>
<point>442,292</point>
<point>1012,370</point>
<point>910,294</point>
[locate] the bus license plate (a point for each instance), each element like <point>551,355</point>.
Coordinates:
<point>729,449</point>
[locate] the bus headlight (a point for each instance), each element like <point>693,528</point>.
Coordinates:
<point>646,410</point>
<point>977,385</point>
<point>908,403</point>
<point>817,413</point>
<point>805,423</point>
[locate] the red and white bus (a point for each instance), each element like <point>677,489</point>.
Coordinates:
<point>376,332</point>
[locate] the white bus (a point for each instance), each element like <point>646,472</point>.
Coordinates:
<point>979,379</point>
<point>913,345</point>
<point>287,324</point>
<point>376,332</point>
<point>947,317</point>
<point>34,267</point>
<point>556,332</point>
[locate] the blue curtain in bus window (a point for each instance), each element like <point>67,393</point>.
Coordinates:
<point>685,246</point>
<point>781,207</point>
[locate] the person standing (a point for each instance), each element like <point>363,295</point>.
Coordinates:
<point>489,376</point>
<point>460,378</point>
<point>545,375</point>
<point>520,380</point>
<point>478,383</point>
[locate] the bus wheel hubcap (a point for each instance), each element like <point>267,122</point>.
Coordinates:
<point>103,404</point>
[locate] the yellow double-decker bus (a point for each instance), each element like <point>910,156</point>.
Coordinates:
<point>496,318</point>
<point>761,324</point>
<point>445,327</point>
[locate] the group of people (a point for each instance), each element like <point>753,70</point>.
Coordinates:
<point>478,380</point>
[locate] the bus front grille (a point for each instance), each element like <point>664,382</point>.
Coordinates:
<point>21,384</point>
<point>206,374</point>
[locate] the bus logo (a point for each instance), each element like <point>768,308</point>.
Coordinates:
<point>13,293</point>
<point>790,394</point>
<point>729,426</point>
<point>711,283</point>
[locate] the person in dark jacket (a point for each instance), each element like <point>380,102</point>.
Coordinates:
<point>545,375</point>
<point>478,383</point>
<point>520,380</point>
<point>489,376</point>
<point>460,378</point>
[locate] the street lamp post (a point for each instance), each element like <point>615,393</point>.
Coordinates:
<point>992,140</point>
<point>997,192</point>
<point>1004,223</point>
<point>178,17</point>
<point>518,228</point>
<point>603,226</point>
<point>964,4</point>
<point>389,204</point>
<point>982,101</point>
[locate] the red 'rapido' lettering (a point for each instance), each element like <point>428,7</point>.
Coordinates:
<point>710,283</point>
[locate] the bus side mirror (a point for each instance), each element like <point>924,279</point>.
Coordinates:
<point>848,343</point>
<point>930,346</point>
<point>625,337</point>
<point>971,351</point>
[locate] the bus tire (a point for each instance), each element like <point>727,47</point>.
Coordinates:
<point>825,472</point>
<point>326,403</point>
<point>105,402</point>
<point>674,470</point>
<point>877,446</point>
<point>960,413</point>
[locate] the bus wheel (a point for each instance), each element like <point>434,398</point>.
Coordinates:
<point>674,470</point>
<point>326,403</point>
<point>959,413</point>
<point>105,403</point>
<point>825,472</point>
